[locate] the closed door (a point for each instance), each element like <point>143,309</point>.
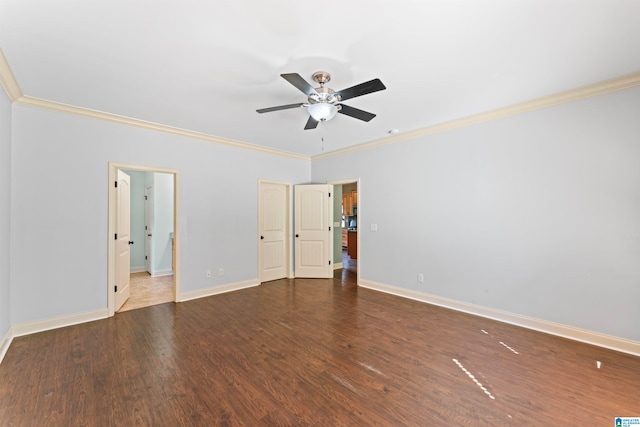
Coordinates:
<point>272,224</point>
<point>313,212</point>
<point>123,255</point>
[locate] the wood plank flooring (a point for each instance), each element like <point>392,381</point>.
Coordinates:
<point>310,352</point>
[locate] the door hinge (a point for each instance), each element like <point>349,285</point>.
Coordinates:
<point>329,228</point>
<point>145,197</point>
<point>329,194</point>
<point>116,184</point>
<point>145,257</point>
<point>329,262</point>
<point>116,236</point>
<point>115,288</point>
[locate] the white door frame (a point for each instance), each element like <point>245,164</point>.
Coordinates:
<point>289,237</point>
<point>111,215</point>
<point>360,229</point>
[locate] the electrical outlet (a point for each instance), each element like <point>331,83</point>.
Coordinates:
<point>420,278</point>
<point>221,272</point>
<point>208,273</point>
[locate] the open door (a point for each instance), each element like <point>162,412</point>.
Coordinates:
<point>123,226</point>
<point>313,209</point>
<point>272,226</point>
<point>148,229</point>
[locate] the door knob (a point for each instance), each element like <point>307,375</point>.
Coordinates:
<point>149,235</point>
<point>261,237</point>
<point>297,235</point>
<point>130,242</point>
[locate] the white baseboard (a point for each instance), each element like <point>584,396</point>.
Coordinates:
<point>577,334</point>
<point>138,269</point>
<point>217,290</point>
<point>161,273</point>
<point>337,266</point>
<point>57,322</point>
<point>6,342</point>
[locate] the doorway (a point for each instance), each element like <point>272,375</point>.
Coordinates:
<point>168,235</point>
<point>347,227</point>
<point>305,208</point>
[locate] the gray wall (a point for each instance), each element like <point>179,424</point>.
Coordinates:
<point>5,213</point>
<point>536,214</point>
<point>218,200</point>
<point>162,222</point>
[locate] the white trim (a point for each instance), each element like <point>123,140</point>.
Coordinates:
<point>11,87</point>
<point>8,80</point>
<point>162,273</point>
<point>141,269</point>
<point>57,322</point>
<point>202,293</point>
<point>337,266</point>
<point>600,88</point>
<point>6,342</point>
<point>570,332</point>
<point>30,101</point>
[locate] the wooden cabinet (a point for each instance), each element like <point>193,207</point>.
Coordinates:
<point>344,238</point>
<point>347,205</point>
<point>352,244</point>
<point>349,201</point>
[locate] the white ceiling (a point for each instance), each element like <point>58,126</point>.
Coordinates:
<point>207,65</point>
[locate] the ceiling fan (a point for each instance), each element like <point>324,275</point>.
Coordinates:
<point>323,103</point>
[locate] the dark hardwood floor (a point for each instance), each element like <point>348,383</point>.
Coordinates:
<point>310,352</point>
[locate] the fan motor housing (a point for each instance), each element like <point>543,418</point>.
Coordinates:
<point>324,94</point>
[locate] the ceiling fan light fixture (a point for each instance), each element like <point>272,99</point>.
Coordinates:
<point>322,111</point>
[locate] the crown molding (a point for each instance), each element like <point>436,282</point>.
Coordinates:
<point>584,92</point>
<point>8,80</point>
<point>11,87</point>
<point>13,91</point>
<point>30,101</point>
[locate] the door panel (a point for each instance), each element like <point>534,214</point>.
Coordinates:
<point>273,222</point>
<point>314,239</point>
<point>123,226</point>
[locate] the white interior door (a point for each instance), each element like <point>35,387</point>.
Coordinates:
<point>148,229</point>
<point>272,226</point>
<point>313,210</point>
<point>123,226</point>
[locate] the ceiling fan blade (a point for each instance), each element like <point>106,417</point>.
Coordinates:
<point>280,107</point>
<point>356,113</point>
<point>361,89</point>
<point>296,80</point>
<point>311,123</point>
